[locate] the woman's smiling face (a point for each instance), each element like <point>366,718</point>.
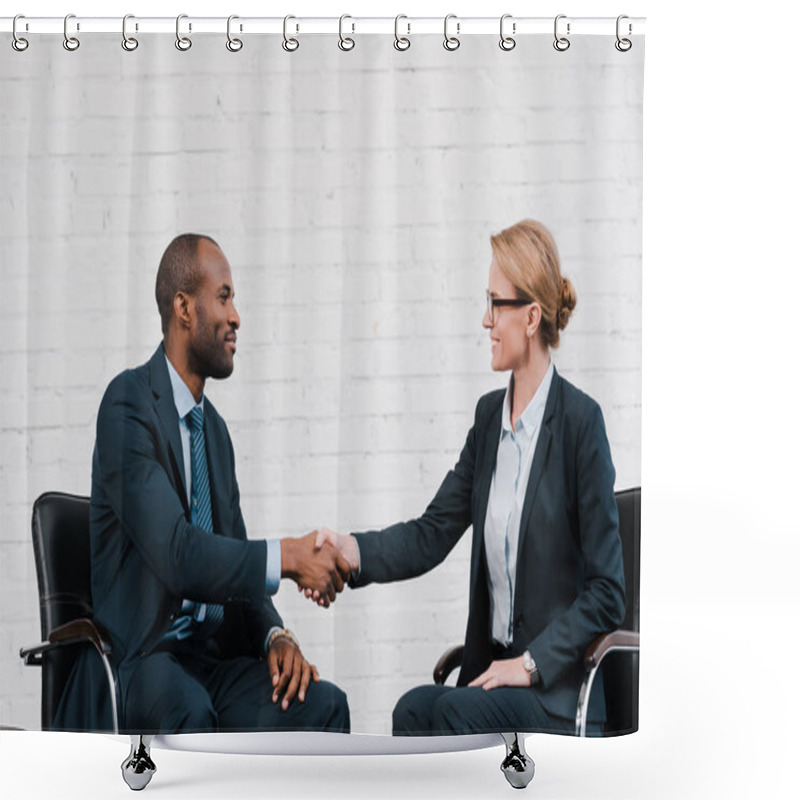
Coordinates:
<point>509,326</point>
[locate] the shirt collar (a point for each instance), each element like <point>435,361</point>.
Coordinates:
<point>184,400</point>
<point>532,415</point>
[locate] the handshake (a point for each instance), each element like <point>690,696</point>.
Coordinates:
<point>320,563</point>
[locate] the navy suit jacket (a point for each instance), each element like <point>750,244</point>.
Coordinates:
<point>570,585</point>
<point>146,556</point>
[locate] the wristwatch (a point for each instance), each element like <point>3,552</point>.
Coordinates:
<point>283,633</point>
<point>530,665</point>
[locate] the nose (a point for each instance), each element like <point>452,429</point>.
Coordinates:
<point>234,320</point>
<point>486,322</point>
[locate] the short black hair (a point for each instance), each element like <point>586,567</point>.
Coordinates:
<point>178,272</point>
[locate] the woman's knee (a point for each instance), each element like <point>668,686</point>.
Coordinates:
<point>448,714</point>
<point>412,713</point>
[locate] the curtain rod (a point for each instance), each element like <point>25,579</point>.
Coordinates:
<point>348,25</point>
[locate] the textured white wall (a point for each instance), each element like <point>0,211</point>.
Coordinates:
<point>354,194</point>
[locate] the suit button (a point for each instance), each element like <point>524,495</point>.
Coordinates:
<point>518,621</point>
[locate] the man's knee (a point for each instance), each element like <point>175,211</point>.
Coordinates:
<point>161,697</point>
<point>330,705</point>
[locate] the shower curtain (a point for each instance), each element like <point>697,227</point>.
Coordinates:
<point>354,194</point>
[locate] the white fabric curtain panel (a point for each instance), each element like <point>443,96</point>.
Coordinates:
<point>354,195</point>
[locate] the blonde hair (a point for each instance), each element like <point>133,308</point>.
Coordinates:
<point>527,255</point>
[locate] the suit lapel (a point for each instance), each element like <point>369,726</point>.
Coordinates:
<point>168,417</point>
<point>485,462</point>
<point>539,459</point>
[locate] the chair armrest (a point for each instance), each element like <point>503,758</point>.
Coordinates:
<point>74,632</point>
<point>603,645</point>
<point>450,660</point>
<point>608,642</point>
<point>81,628</point>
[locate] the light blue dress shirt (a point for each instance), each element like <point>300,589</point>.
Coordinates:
<point>506,497</point>
<point>184,403</point>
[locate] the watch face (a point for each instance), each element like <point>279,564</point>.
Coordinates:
<point>527,662</point>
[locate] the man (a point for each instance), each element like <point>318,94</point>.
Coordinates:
<point>184,596</point>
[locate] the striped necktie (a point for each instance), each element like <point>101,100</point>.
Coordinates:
<point>207,615</point>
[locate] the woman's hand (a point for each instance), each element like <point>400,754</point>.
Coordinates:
<point>508,672</point>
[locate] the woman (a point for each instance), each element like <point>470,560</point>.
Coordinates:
<point>536,482</point>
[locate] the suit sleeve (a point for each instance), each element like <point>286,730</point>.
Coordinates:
<point>408,549</point>
<point>600,604</point>
<point>130,458</point>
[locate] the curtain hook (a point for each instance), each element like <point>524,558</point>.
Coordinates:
<point>451,42</point>
<point>346,42</point>
<point>129,43</point>
<point>233,44</point>
<point>507,42</point>
<point>561,43</point>
<point>289,44</point>
<point>71,43</point>
<point>401,42</point>
<point>182,42</point>
<point>18,43</point>
<point>623,45</point>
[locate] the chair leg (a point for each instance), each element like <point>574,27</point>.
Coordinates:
<point>517,766</point>
<point>138,768</point>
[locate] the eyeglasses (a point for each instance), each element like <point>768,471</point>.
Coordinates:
<point>497,302</point>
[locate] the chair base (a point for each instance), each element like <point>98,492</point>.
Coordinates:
<point>138,768</point>
<point>517,766</point>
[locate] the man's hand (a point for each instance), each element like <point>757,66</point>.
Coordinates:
<point>346,545</point>
<point>506,672</point>
<point>322,570</point>
<point>289,670</point>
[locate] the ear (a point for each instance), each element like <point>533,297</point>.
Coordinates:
<point>182,310</point>
<point>534,318</point>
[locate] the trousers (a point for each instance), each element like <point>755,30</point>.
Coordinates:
<point>449,710</point>
<point>196,692</point>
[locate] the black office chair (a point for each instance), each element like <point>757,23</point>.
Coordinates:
<point>617,651</point>
<point>61,549</point>
<point>60,527</point>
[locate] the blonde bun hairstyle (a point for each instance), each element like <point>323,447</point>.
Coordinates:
<point>527,255</point>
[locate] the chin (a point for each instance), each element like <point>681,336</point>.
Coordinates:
<point>221,371</point>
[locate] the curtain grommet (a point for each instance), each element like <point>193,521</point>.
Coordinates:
<point>507,43</point>
<point>71,43</point>
<point>129,43</point>
<point>451,43</point>
<point>289,44</point>
<point>183,43</point>
<point>346,43</point>
<point>19,43</point>
<point>233,44</point>
<point>561,43</point>
<point>401,43</point>
<point>623,44</point>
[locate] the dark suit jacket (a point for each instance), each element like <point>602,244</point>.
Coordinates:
<point>569,583</point>
<point>146,556</point>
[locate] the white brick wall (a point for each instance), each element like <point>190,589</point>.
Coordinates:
<point>354,195</point>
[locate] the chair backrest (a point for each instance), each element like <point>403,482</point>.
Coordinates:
<point>60,528</point>
<point>621,670</point>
